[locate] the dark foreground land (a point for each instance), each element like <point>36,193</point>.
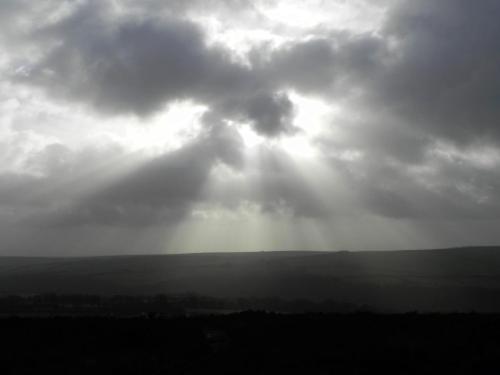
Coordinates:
<point>253,343</point>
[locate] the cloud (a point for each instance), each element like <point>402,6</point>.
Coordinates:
<point>433,65</point>
<point>158,190</point>
<point>438,187</point>
<point>271,114</point>
<point>426,79</point>
<point>131,66</point>
<point>138,65</point>
<point>412,134</point>
<point>443,77</point>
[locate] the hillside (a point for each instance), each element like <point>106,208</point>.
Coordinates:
<point>451,279</point>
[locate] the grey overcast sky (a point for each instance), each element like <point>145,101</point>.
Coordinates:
<point>210,125</point>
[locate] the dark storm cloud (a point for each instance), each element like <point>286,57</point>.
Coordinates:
<point>16,189</point>
<point>443,81</point>
<point>227,7</point>
<point>307,66</point>
<point>433,68</point>
<point>430,74</point>
<point>137,65</point>
<point>165,186</point>
<point>122,67</point>
<point>166,189</point>
<point>270,113</point>
<point>332,66</point>
<point>445,77</point>
<point>11,12</point>
<point>433,64</point>
<point>160,190</point>
<point>438,77</point>
<point>58,175</point>
<point>442,189</point>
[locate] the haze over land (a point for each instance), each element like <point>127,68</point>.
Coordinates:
<point>230,125</point>
<point>465,279</point>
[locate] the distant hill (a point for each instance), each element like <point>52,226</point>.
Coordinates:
<point>460,279</point>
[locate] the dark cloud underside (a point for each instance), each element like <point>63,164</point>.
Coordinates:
<point>417,137</point>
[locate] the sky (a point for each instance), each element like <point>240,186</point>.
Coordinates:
<point>229,125</point>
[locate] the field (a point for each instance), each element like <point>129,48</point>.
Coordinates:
<point>465,279</point>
